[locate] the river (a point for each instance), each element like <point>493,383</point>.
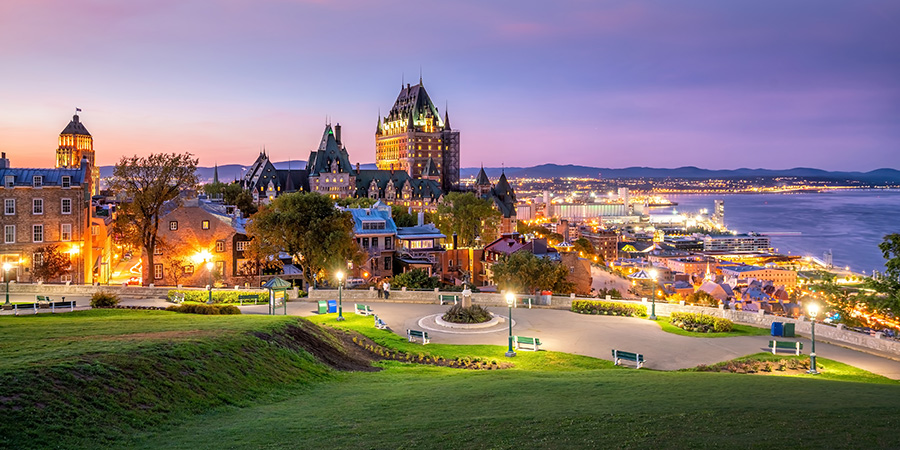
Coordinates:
<point>851,223</point>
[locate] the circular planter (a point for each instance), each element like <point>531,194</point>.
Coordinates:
<point>469,326</point>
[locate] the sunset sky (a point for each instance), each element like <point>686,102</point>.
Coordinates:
<point>715,84</point>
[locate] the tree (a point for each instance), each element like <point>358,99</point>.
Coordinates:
<point>234,194</point>
<point>147,183</point>
<point>468,216</point>
<point>701,298</point>
<point>584,246</point>
<point>356,202</point>
<point>402,217</point>
<point>309,228</point>
<point>415,279</point>
<point>526,273</point>
<point>886,298</point>
<point>50,263</point>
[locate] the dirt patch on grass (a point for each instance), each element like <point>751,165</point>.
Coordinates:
<point>155,335</point>
<point>332,347</point>
<point>789,366</point>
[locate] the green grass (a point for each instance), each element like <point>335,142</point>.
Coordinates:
<point>738,330</point>
<point>828,369</point>
<point>221,387</point>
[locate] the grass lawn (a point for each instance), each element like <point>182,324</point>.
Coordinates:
<point>738,330</point>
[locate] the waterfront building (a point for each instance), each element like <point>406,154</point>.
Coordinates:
<point>412,133</point>
<point>77,144</point>
<point>197,232</point>
<point>737,243</point>
<point>46,207</point>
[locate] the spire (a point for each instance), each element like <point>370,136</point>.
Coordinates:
<point>446,118</point>
<point>216,174</point>
<point>482,178</point>
<point>420,75</point>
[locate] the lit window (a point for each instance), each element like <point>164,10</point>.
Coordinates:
<point>220,246</point>
<point>189,269</point>
<point>65,231</point>
<point>173,225</point>
<point>204,225</point>
<point>66,206</point>
<point>95,230</point>
<point>241,245</point>
<point>157,271</point>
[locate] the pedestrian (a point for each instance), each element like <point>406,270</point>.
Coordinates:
<point>387,289</point>
<point>380,291</point>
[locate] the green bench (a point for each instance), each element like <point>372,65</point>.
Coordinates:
<point>363,310</point>
<point>43,301</point>
<point>535,343</point>
<point>25,306</point>
<point>448,298</point>
<point>636,358</point>
<point>412,335</point>
<point>786,345</point>
<point>69,304</point>
<point>249,298</point>
<point>379,323</point>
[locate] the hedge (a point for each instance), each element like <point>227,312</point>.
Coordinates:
<point>220,296</point>
<point>608,308</point>
<point>200,308</point>
<point>701,323</point>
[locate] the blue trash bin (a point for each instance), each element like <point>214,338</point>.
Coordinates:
<point>777,328</point>
<point>332,306</point>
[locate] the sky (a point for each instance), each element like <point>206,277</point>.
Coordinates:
<point>715,84</point>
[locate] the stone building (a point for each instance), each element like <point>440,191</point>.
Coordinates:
<point>44,207</point>
<point>77,144</point>
<point>413,136</point>
<point>502,195</point>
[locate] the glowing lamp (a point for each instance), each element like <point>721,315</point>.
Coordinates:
<point>813,309</point>
<point>209,265</point>
<point>340,276</point>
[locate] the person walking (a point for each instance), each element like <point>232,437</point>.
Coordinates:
<point>381,291</point>
<point>387,289</point>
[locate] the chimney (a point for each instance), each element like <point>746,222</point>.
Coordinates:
<point>455,237</point>
<point>337,134</point>
<point>357,167</point>
<point>421,218</point>
<point>4,163</point>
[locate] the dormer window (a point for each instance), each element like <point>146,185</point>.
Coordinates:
<point>37,181</point>
<point>66,182</point>
<point>9,181</point>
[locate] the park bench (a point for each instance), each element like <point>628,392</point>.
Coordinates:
<point>412,335</point>
<point>249,298</point>
<point>526,301</point>
<point>379,323</point>
<point>636,358</point>
<point>363,310</point>
<point>25,306</point>
<point>70,304</point>
<point>786,345</point>
<point>177,298</point>
<point>448,298</point>
<point>535,343</point>
<point>43,301</point>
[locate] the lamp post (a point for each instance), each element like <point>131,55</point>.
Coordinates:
<point>6,267</point>
<point>510,300</point>
<point>209,268</point>
<point>813,312</point>
<point>653,298</point>
<point>340,277</point>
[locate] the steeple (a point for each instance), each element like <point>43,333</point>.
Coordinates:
<point>482,178</point>
<point>216,174</point>
<point>446,119</point>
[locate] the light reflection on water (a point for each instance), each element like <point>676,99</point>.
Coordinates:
<point>851,222</point>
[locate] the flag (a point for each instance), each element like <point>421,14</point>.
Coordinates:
<point>77,109</point>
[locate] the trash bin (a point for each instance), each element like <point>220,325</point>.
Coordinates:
<point>777,328</point>
<point>323,307</point>
<point>332,306</point>
<point>788,330</point>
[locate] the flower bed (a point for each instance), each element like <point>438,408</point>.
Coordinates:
<point>789,365</point>
<point>608,308</point>
<point>700,323</point>
<point>218,296</point>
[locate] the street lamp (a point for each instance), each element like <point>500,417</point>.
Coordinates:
<point>813,312</point>
<point>510,301</point>
<point>6,267</point>
<point>209,268</point>
<point>653,299</point>
<point>340,277</point>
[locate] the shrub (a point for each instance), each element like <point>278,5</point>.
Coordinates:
<point>472,314</point>
<point>222,296</point>
<point>701,323</point>
<point>195,308</point>
<point>608,308</point>
<point>104,300</point>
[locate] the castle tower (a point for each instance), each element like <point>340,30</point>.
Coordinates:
<point>75,144</point>
<point>414,132</point>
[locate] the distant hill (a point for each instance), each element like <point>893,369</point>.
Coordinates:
<point>232,172</point>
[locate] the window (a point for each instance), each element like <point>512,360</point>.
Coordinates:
<point>204,225</point>
<point>157,272</point>
<point>9,207</point>
<point>66,182</point>
<point>157,250</point>
<point>374,242</point>
<point>37,259</point>
<point>9,234</point>
<point>66,278</point>
<point>241,245</point>
<point>37,181</point>
<point>387,263</point>
<point>173,225</point>
<point>37,233</point>
<point>66,206</point>
<point>9,180</point>
<point>220,246</point>
<point>189,269</point>
<point>388,243</point>
<point>365,242</point>
<point>220,268</point>
<point>65,231</point>
<point>95,230</point>
<point>37,206</point>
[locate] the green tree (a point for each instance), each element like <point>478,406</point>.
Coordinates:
<point>146,184</point>
<point>309,228</point>
<point>50,263</point>
<point>402,217</point>
<point>234,194</point>
<point>525,273</point>
<point>468,216</point>
<point>415,279</point>
<point>701,298</point>
<point>886,287</point>
<point>356,202</point>
<point>584,246</point>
